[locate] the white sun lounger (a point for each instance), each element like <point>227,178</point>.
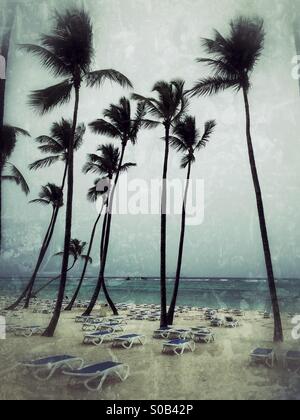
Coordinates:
<point>179,333</point>
<point>29,331</point>
<point>231,322</point>
<point>98,373</point>
<point>263,356</point>
<point>162,332</point>
<point>43,369</point>
<point>98,338</point>
<point>179,346</point>
<point>127,341</point>
<point>113,326</point>
<point>203,336</point>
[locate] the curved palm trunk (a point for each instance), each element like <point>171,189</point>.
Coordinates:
<point>163,234</point>
<point>44,252</point>
<point>27,292</point>
<point>69,212</point>
<point>73,300</point>
<point>278,331</point>
<point>37,267</point>
<point>171,312</point>
<point>104,249</point>
<point>52,280</point>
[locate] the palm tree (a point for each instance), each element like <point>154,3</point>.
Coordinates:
<point>233,60</point>
<point>50,195</point>
<point>106,164</point>
<point>167,109</point>
<point>57,146</point>
<point>68,53</point>
<point>76,251</point>
<point>122,125</point>
<point>186,139</point>
<point>8,171</point>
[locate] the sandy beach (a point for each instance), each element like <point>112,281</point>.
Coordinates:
<point>220,370</point>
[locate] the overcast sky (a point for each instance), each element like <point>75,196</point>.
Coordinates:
<point>151,40</point>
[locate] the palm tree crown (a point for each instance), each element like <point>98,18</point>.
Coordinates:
<point>57,144</point>
<point>50,194</point>
<point>105,164</point>
<point>234,56</point>
<point>170,105</point>
<point>76,250</point>
<point>120,123</point>
<point>186,138</point>
<point>68,53</point>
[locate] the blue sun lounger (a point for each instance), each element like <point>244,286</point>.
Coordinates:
<point>43,369</point>
<point>263,356</point>
<point>179,346</point>
<point>127,341</point>
<point>97,374</point>
<point>98,338</point>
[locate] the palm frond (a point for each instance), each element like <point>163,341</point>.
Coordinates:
<point>213,85</point>
<point>105,128</point>
<point>208,130</point>
<point>86,258</point>
<point>177,144</point>
<point>186,160</point>
<point>127,166</point>
<point>97,78</point>
<point>45,100</point>
<point>17,177</point>
<point>41,201</point>
<point>44,163</point>
<point>49,60</point>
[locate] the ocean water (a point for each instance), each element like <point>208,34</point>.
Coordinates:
<point>246,294</point>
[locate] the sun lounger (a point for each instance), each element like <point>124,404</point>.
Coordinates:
<point>178,346</point>
<point>162,332</point>
<point>127,341</point>
<point>217,322</point>
<point>114,327</point>
<point>29,331</point>
<point>43,369</point>
<point>263,356</point>
<point>203,336</point>
<point>292,361</point>
<point>98,338</point>
<point>98,373</point>
<point>231,322</point>
<point>179,333</point>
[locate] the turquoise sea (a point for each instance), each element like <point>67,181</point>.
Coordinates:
<point>209,292</point>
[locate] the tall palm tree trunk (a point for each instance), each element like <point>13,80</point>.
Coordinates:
<point>73,300</point>
<point>163,233</point>
<point>68,231</point>
<point>171,312</point>
<point>278,331</point>
<point>104,250</point>
<point>37,267</point>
